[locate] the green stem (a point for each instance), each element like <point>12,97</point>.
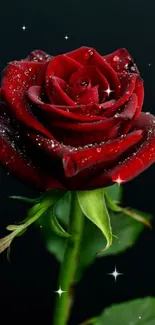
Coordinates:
<point>68,267</point>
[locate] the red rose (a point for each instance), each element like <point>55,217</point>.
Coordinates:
<point>74,121</point>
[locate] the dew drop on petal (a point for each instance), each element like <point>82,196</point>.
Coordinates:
<point>116,58</point>
<point>98,150</point>
<point>88,55</point>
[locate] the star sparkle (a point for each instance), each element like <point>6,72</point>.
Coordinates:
<point>108,91</point>
<point>23,27</point>
<point>118,180</point>
<point>60,291</point>
<point>115,274</point>
<point>66,37</point>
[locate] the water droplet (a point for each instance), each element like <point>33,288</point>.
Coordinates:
<point>116,115</point>
<point>116,58</point>
<point>84,83</point>
<point>89,54</point>
<point>98,150</point>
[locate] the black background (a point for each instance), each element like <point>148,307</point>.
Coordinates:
<point>27,285</point>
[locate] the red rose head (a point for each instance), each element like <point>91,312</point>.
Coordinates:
<point>74,121</point>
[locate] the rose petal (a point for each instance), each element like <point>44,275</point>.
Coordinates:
<point>56,92</point>
<point>139,91</point>
<point>120,61</point>
<point>60,112</point>
<point>138,161</point>
<point>38,56</point>
<point>62,67</point>
<point>104,153</point>
<point>90,73</point>
<point>130,108</point>
<point>20,165</point>
<point>89,56</point>
<point>128,83</point>
<point>89,96</point>
<point>89,127</point>
<point>17,78</point>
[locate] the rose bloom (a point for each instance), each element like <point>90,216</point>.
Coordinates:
<point>74,121</point>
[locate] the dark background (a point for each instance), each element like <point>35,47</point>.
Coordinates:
<point>27,285</point>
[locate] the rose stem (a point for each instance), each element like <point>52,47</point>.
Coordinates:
<point>68,266</point>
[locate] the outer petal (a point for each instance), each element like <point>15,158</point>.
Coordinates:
<point>39,56</point>
<point>18,77</point>
<point>135,163</point>
<point>19,164</point>
<point>128,83</point>
<point>120,61</point>
<point>104,153</point>
<point>62,113</point>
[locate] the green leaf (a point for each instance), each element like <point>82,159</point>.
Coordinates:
<point>18,230</point>
<point>57,228</point>
<point>135,312</point>
<point>124,227</point>
<point>115,192</point>
<point>94,207</point>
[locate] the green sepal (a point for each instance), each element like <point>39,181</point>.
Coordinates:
<point>110,203</point>
<point>57,228</point>
<point>94,207</point>
<point>24,199</point>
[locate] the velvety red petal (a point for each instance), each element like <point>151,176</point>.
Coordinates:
<point>56,92</point>
<point>128,83</point>
<point>17,78</point>
<point>138,161</point>
<point>89,127</point>
<point>130,108</point>
<point>92,73</point>
<point>38,56</point>
<point>89,96</point>
<point>104,153</point>
<point>60,112</point>
<point>139,91</point>
<point>20,165</point>
<point>62,67</point>
<point>89,56</point>
<point>120,61</point>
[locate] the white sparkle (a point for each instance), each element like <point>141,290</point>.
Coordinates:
<point>60,292</point>
<point>115,274</point>
<point>66,37</point>
<point>140,317</point>
<point>118,180</point>
<point>149,64</point>
<point>108,91</point>
<point>23,27</point>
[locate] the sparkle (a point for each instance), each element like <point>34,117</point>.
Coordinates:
<point>115,274</point>
<point>66,37</point>
<point>60,292</point>
<point>140,317</point>
<point>149,64</point>
<point>108,91</point>
<point>118,180</point>
<point>23,27</point>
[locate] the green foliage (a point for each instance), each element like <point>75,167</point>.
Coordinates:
<point>125,228</point>
<point>94,207</point>
<point>135,312</point>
